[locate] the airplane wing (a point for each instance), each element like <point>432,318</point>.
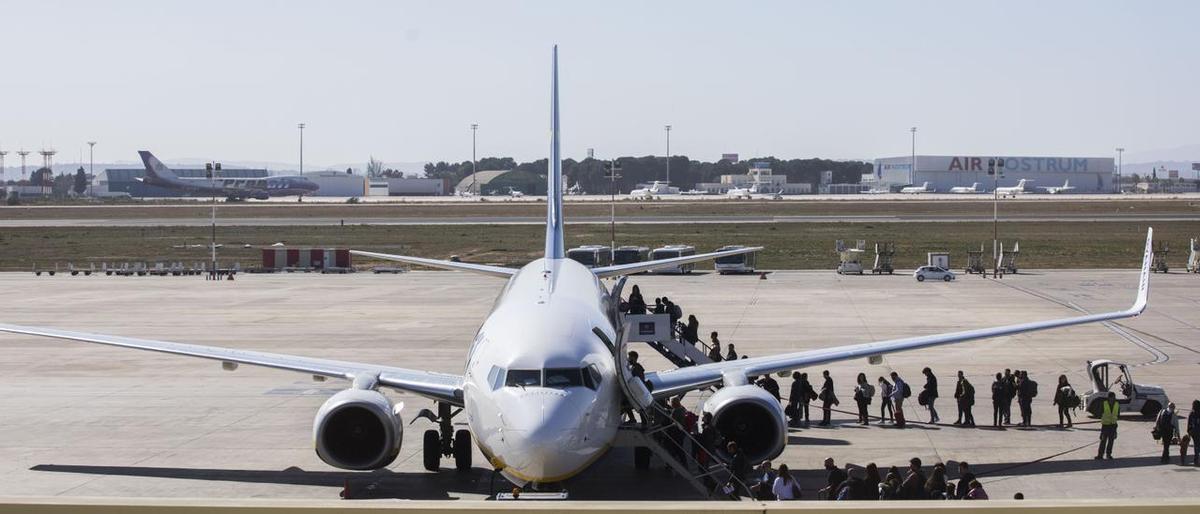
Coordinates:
<point>483,269</point>
<point>678,381</point>
<point>437,386</point>
<point>638,267</point>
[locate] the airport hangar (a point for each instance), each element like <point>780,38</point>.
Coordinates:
<point>1086,174</point>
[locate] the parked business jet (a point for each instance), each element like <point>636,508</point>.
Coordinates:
<point>1053,190</point>
<point>655,189</point>
<point>544,378</point>
<point>1018,189</point>
<point>963,190</point>
<point>158,174</point>
<point>923,188</point>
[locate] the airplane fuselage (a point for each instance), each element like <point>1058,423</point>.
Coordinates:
<point>540,390</point>
<point>259,188</point>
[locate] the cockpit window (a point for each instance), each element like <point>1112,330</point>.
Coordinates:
<point>591,377</point>
<point>560,378</point>
<point>523,378</point>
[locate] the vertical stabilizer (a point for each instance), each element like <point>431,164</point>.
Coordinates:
<point>554,189</point>
<point>155,169</point>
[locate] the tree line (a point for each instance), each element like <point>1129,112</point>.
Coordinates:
<point>592,174</point>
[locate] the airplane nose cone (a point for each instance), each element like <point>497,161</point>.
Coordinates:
<point>542,437</point>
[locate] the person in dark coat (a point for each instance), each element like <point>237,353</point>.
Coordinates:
<point>691,331</point>
<point>669,307</point>
<point>1062,395</point>
<point>834,478</point>
<point>769,384</point>
<point>1193,432</point>
<point>913,486</point>
<point>827,397</point>
<point>998,400</point>
<point>731,354</point>
<point>1026,392</point>
<point>739,466</point>
<point>714,351</point>
<point>931,393</point>
<point>965,477</point>
<point>964,393</point>
<point>659,308</point>
<point>635,368</point>
<point>1010,392</point>
<point>636,304</point>
<point>799,396</point>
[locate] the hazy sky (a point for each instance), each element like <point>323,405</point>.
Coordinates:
<point>404,80</point>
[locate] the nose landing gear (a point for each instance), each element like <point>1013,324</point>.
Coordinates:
<point>445,441</point>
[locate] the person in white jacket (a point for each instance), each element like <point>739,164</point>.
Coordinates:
<point>785,487</point>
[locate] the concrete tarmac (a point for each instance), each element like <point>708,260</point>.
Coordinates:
<point>88,420</point>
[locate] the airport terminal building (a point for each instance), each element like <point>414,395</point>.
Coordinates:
<point>1086,174</point>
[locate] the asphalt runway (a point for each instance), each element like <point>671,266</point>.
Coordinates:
<point>579,220</point>
<point>87,420</point>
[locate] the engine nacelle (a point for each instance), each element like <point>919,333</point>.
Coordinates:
<point>259,194</point>
<point>750,416</point>
<point>358,429</point>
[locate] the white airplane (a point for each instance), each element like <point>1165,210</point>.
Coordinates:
<point>1053,190</point>
<point>1018,189</point>
<point>755,189</point>
<point>923,188</point>
<point>963,190</point>
<point>545,379</point>
<point>656,188</point>
<point>515,193</point>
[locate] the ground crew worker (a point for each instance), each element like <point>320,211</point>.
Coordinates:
<point>1110,411</point>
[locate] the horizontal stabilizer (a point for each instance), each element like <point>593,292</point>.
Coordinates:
<point>638,267</point>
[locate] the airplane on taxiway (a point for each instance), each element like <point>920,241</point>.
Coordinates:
<point>915,190</point>
<point>544,380</point>
<point>964,190</point>
<point>158,174</point>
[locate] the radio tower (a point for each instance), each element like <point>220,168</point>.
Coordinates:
<point>22,152</point>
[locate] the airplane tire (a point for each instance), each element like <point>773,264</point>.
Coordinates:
<point>432,450</point>
<point>462,450</point>
<point>641,458</point>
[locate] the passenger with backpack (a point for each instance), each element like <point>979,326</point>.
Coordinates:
<point>1166,429</point>
<point>863,392</point>
<point>1066,399</point>
<point>928,394</point>
<point>899,393</point>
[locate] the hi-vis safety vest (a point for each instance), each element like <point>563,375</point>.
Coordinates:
<point>1111,410</point>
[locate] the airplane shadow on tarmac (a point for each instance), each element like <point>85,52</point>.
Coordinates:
<point>366,485</point>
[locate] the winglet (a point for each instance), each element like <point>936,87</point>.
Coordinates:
<point>1143,295</point>
<point>554,190</point>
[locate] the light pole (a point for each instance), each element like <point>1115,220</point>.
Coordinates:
<point>994,167</point>
<point>474,129</point>
<point>1120,151</point>
<point>211,169</point>
<point>912,165</point>
<point>301,127</point>
<point>91,165</point>
<point>668,129</point>
<point>612,222</point>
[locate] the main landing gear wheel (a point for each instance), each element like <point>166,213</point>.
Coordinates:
<point>462,450</point>
<point>432,450</point>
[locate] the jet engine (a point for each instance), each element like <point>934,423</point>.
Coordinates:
<point>358,429</point>
<point>750,416</point>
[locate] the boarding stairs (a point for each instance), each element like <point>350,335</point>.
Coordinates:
<point>975,261</point>
<point>656,331</point>
<point>1007,261</point>
<point>1193,264</point>
<point>650,432</point>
